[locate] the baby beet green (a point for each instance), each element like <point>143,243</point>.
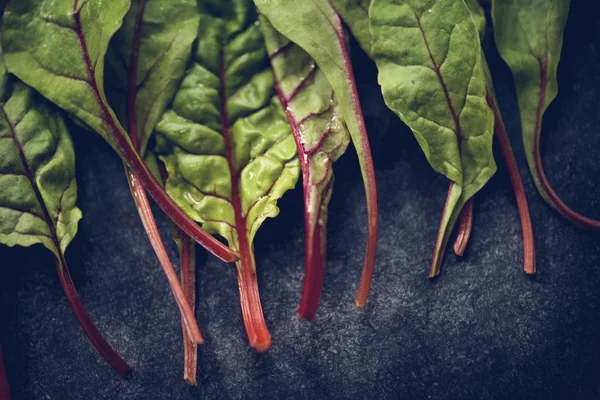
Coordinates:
<point>507,152</point>
<point>35,31</point>
<point>431,72</point>
<point>147,58</point>
<point>529,37</point>
<point>316,28</point>
<point>227,145</point>
<point>321,138</point>
<point>39,190</point>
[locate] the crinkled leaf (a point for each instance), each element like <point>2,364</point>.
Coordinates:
<point>355,14</point>
<point>58,48</point>
<point>321,138</point>
<point>226,142</point>
<point>39,190</point>
<point>156,37</point>
<point>529,37</point>
<point>316,27</point>
<point>432,76</point>
<point>37,171</point>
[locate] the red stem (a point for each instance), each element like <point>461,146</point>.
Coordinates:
<point>369,173</point>
<point>314,223</point>
<point>86,322</point>
<point>188,282</point>
<point>4,389</point>
<point>465,227</point>
<point>143,207</point>
<point>515,178</point>
<point>314,274</point>
<point>141,200</point>
<point>543,184</point>
<point>254,320</point>
<point>132,159</point>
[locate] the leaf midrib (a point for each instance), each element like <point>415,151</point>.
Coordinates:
<point>31,177</point>
<point>438,73</point>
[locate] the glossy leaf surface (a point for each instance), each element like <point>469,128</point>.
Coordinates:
<point>226,142</point>
<point>58,48</point>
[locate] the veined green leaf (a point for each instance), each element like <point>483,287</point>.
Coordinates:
<point>58,48</point>
<point>39,190</point>
<point>226,142</point>
<point>321,138</point>
<point>315,27</point>
<point>432,76</point>
<point>529,37</point>
<point>156,39</point>
<point>355,14</point>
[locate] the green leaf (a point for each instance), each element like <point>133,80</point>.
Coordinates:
<point>316,28</point>
<point>529,37</point>
<point>355,14</point>
<point>321,138</point>
<point>37,172</point>
<point>226,142</point>
<point>39,189</point>
<point>432,76</point>
<point>478,16</point>
<point>156,37</point>
<point>58,48</point>
<point>529,266</point>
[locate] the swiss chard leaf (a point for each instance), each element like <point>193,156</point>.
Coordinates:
<point>58,48</point>
<point>355,14</point>
<point>321,138</point>
<point>509,158</point>
<point>226,142</point>
<point>432,76</point>
<point>529,37</point>
<point>148,55</point>
<point>315,27</point>
<point>39,190</point>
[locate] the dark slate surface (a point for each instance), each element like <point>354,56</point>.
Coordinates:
<point>483,330</point>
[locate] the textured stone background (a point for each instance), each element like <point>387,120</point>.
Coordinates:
<point>482,330</point>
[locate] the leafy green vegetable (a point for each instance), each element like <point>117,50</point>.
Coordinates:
<point>36,31</point>
<point>529,37</point>
<point>187,255</point>
<point>355,14</point>
<point>432,76</point>
<point>226,142</point>
<point>507,152</point>
<point>39,190</point>
<point>148,58</point>
<point>321,138</point>
<point>316,28</point>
